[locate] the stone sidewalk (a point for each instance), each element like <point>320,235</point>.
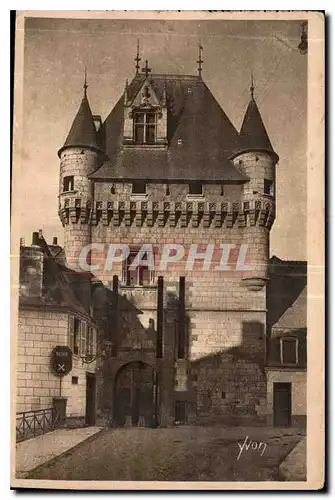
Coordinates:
<point>293,468</point>
<point>37,451</point>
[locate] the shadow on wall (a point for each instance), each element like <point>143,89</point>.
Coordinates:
<point>231,385</point>
<point>127,335</point>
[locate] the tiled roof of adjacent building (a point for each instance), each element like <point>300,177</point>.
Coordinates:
<point>287,294</point>
<point>200,137</point>
<point>295,316</point>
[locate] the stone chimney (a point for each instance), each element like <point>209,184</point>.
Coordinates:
<point>31,269</point>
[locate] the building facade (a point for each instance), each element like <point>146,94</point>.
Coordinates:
<point>286,365</point>
<point>186,339</point>
<point>53,313</point>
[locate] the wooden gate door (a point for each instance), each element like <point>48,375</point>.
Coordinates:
<point>282,404</point>
<point>90,399</point>
<point>134,395</point>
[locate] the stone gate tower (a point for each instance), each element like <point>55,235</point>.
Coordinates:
<point>168,167</point>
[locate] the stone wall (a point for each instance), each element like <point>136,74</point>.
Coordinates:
<point>298,379</point>
<point>38,333</point>
<point>226,321</point>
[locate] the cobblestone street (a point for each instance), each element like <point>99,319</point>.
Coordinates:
<point>174,454</point>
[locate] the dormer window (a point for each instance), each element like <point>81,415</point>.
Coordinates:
<point>68,183</point>
<point>145,125</point>
<point>289,350</point>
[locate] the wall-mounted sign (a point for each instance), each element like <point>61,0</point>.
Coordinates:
<point>61,360</point>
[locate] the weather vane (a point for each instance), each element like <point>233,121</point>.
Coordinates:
<point>200,61</point>
<point>85,82</point>
<point>146,69</point>
<point>137,58</point>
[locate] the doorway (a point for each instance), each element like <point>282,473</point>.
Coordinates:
<point>90,399</point>
<point>282,404</point>
<point>135,394</point>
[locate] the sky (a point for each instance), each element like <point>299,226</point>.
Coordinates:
<point>57,50</point>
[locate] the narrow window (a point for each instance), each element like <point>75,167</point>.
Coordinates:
<point>139,187</point>
<point>195,188</point>
<point>68,183</point>
<point>222,190</point>
<point>167,190</point>
<point>268,187</point>
<point>74,380</point>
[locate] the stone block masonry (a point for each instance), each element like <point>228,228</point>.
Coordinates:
<point>39,331</point>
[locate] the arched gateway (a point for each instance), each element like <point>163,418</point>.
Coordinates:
<point>135,395</point>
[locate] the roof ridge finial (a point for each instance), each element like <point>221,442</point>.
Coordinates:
<point>137,58</point>
<point>146,69</point>
<point>85,83</point>
<point>200,61</point>
<point>252,87</point>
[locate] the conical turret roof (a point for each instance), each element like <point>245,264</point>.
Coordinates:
<point>82,132</point>
<point>253,135</point>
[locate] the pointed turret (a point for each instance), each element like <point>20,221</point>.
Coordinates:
<point>83,131</point>
<point>253,134</point>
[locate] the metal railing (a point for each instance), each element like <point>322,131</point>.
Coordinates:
<point>36,422</point>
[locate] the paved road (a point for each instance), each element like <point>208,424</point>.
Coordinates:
<point>174,454</point>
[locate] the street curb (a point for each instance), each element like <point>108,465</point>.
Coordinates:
<point>24,475</point>
<point>287,470</point>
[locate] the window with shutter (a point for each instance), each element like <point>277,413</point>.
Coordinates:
<point>83,330</point>
<point>76,336</point>
<point>71,333</point>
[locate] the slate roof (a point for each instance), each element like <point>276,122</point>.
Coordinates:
<point>295,317</point>
<point>287,295</point>
<point>60,286</point>
<point>194,117</point>
<point>253,135</point>
<point>82,132</point>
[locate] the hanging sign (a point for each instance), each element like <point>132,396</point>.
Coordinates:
<point>61,360</point>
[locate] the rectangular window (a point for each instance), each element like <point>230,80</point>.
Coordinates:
<point>195,188</point>
<point>74,380</point>
<point>139,187</point>
<point>145,128</point>
<point>68,183</point>
<point>289,351</point>
<point>268,187</point>
<point>141,275</point>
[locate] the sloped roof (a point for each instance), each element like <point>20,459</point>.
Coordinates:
<point>194,118</point>
<point>253,135</point>
<point>82,132</point>
<point>295,317</point>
